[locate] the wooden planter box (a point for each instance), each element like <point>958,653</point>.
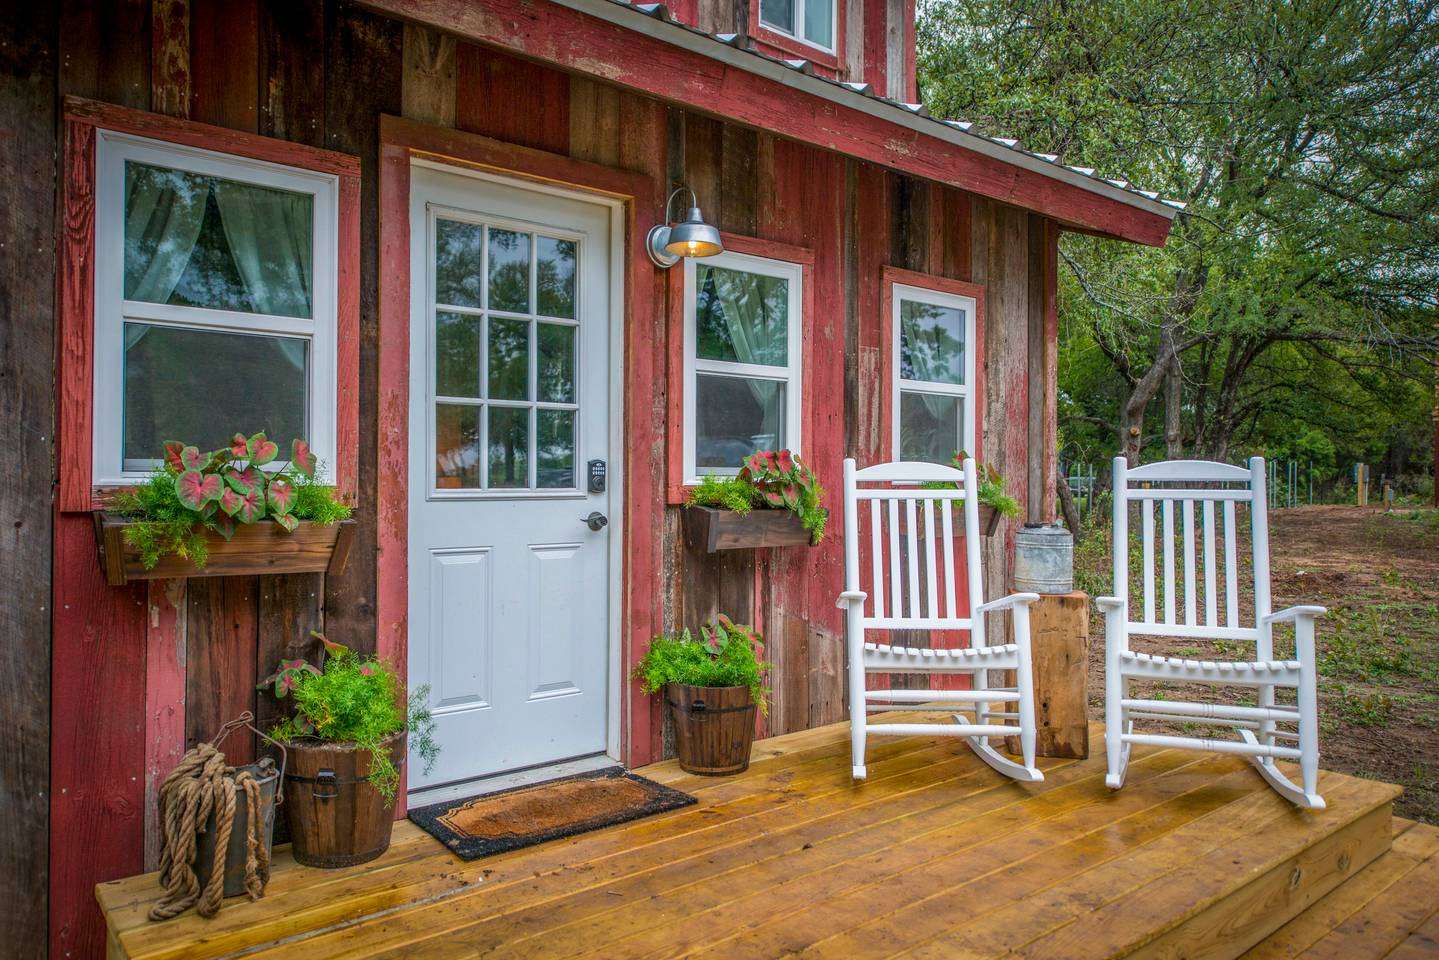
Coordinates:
<point>255,548</point>
<point>714,529</point>
<point>988,522</point>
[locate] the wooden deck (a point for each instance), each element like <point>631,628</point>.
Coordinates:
<point>934,856</point>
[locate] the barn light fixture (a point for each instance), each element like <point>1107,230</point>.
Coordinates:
<point>691,237</point>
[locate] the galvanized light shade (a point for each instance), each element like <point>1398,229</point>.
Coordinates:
<point>691,237</point>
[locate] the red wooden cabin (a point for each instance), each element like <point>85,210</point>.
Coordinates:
<point>436,268</point>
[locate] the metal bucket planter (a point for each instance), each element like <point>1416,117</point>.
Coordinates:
<point>714,727</point>
<point>235,852</point>
<point>337,817</point>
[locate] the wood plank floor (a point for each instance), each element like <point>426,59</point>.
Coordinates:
<point>934,856</point>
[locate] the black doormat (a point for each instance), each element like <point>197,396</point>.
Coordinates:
<point>522,816</point>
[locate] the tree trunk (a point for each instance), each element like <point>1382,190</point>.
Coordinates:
<point>1173,401</point>
<point>1068,508</point>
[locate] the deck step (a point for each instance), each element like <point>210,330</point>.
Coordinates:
<point>1388,909</point>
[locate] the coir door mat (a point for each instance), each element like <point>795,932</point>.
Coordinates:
<point>522,816</point>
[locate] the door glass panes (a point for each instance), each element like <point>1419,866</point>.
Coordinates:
<point>195,385</point>
<point>505,358</point>
<point>509,271</point>
<point>457,446</point>
<point>457,354</point>
<point>931,343</point>
<point>509,359</point>
<point>555,449</point>
<point>555,277</point>
<point>557,363</point>
<point>195,240</point>
<point>741,317</point>
<point>734,417</point>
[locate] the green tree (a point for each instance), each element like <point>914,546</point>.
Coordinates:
<point>1303,137</point>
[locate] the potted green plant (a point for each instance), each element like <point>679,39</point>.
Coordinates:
<point>346,743</point>
<point>994,503</point>
<point>712,686</point>
<point>226,511</point>
<point>774,500</point>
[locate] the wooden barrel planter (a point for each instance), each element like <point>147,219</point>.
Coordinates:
<point>337,817</point>
<point>714,727</point>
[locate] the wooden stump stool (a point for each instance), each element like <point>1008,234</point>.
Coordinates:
<point>1059,640</point>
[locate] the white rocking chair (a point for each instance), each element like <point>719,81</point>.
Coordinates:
<point>1264,728</point>
<point>913,602</point>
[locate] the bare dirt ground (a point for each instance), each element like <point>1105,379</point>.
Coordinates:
<point>1378,647</point>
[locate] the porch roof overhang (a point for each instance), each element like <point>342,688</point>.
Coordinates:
<point>640,48</point>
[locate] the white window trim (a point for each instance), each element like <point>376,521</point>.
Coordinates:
<point>798,33</point>
<point>793,378</point>
<point>899,293</point>
<point>112,310</point>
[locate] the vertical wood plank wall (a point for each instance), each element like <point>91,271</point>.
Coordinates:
<point>139,673</point>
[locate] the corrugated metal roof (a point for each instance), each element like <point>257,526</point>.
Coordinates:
<point>947,128</point>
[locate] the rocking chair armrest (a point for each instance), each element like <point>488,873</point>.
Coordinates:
<point>1005,603</point>
<point>1109,603</point>
<point>1294,613</point>
<point>850,596</point>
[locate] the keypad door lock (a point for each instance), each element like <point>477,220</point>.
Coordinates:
<point>597,471</point>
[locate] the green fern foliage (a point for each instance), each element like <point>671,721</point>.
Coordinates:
<point>725,654</point>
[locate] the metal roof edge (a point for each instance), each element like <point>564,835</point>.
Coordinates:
<point>654,20</point>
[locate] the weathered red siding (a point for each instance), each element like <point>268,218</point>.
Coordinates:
<point>139,674</point>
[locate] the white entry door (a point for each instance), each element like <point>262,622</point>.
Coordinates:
<point>509,412</point>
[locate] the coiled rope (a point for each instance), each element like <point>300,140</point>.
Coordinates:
<point>202,784</point>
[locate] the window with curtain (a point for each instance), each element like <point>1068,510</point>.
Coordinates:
<point>215,307</point>
<point>810,20</point>
<point>742,360</point>
<point>934,367</point>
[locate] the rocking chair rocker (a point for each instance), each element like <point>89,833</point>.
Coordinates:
<point>1263,727</point>
<point>929,602</point>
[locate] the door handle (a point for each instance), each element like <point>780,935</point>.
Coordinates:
<point>595,520</point>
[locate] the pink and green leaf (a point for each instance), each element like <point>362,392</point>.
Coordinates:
<point>287,521</point>
<point>230,502</point>
<point>302,457</point>
<point>252,507</point>
<point>224,525</point>
<point>246,480</point>
<point>261,449</point>
<point>195,489</point>
<point>331,647</point>
<point>280,495</point>
<point>192,459</point>
<point>239,447</point>
<point>173,463</point>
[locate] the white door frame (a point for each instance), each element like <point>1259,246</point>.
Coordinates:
<point>615,480</point>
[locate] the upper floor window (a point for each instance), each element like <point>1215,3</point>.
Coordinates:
<point>812,21</point>
<point>742,391</point>
<point>215,304</point>
<point>933,409</point>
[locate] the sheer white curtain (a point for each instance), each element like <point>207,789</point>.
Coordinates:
<point>269,234</point>
<point>164,210</point>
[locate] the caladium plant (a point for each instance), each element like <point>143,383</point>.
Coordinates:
<point>229,483</point>
<point>781,480</point>
<point>198,492</point>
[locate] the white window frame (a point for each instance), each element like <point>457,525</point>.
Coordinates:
<point>899,293</point>
<point>792,375</point>
<point>798,33</point>
<point>112,310</point>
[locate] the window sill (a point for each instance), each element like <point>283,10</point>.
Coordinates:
<point>774,43</point>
